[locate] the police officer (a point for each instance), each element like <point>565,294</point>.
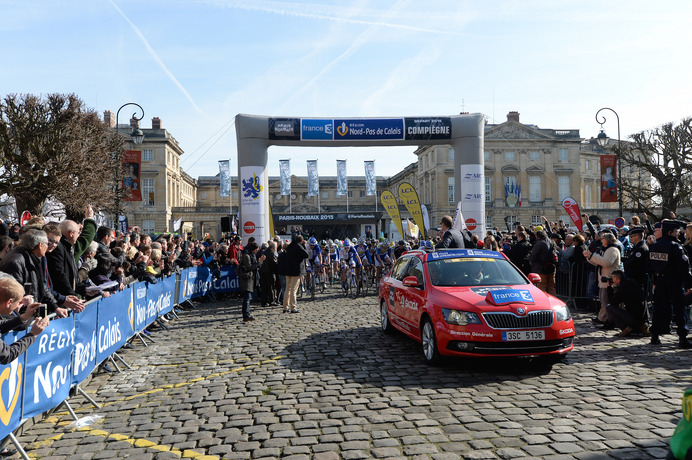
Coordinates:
<point>671,274</point>
<point>637,259</point>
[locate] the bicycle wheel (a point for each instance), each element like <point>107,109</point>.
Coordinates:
<point>299,294</point>
<point>320,281</point>
<point>312,286</point>
<point>352,287</point>
<point>364,283</point>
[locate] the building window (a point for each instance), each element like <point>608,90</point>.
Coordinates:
<point>450,189</point>
<point>509,156</point>
<point>148,192</point>
<point>450,155</point>
<point>203,195</point>
<point>235,194</point>
<point>536,220</point>
<point>563,155</point>
<point>147,155</point>
<point>588,165</point>
<point>350,193</point>
<point>534,188</point>
<point>488,190</point>
<point>361,194</point>
<point>587,195</point>
<point>486,155</point>
<point>562,187</point>
<point>534,155</point>
<point>148,226</point>
<point>325,195</point>
<point>488,222</point>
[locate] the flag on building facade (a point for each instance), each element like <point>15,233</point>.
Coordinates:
<point>609,191</point>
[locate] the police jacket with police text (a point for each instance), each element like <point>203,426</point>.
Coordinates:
<point>637,263</point>
<point>668,262</point>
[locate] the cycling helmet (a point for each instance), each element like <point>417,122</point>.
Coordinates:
<point>347,243</point>
<point>330,241</point>
<point>428,244</point>
<point>323,243</point>
<point>312,241</point>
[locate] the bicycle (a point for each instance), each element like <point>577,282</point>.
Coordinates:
<point>351,283</point>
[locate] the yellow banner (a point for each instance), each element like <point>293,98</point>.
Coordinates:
<point>271,222</point>
<point>389,202</point>
<point>408,195</point>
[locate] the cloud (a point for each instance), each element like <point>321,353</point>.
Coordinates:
<point>158,59</point>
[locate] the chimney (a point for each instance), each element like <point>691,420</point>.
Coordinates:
<point>513,116</point>
<point>156,123</point>
<point>108,118</point>
<point>134,123</point>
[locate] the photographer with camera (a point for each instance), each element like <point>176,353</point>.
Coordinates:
<point>606,264</point>
<point>631,316</point>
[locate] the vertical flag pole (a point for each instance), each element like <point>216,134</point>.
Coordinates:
<point>346,186</point>
<point>319,209</point>
<point>230,193</point>
<point>373,162</point>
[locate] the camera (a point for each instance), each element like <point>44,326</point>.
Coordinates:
<point>606,279</point>
<point>42,311</point>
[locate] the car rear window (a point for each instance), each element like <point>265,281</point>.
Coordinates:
<point>473,271</point>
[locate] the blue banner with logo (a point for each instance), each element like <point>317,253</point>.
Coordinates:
<point>113,326</point>
<point>48,363</point>
<point>199,281</point>
<point>159,298</point>
<point>228,280</point>
<point>11,388</point>
<point>84,359</point>
<point>168,299</point>
<point>139,304</point>
<point>183,291</point>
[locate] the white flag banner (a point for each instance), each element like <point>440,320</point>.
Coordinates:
<point>341,179</point>
<point>225,178</point>
<point>285,170</point>
<point>370,182</point>
<point>177,224</point>
<point>459,223</point>
<point>313,178</point>
<point>426,218</point>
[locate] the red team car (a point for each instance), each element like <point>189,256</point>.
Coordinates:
<point>468,302</point>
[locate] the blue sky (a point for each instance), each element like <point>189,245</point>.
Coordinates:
<point>196,64</point>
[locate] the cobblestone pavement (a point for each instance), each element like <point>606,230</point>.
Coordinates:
<point>327,384</point>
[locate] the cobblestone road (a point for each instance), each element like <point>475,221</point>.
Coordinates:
<point>327,384</point>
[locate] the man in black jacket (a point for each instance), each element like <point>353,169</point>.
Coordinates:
<point>268,271</point>
<point>629,293</point>
<point>451,237</point>
<point>519,253</point>
<point>296,253</point>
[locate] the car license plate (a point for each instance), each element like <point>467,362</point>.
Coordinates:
<point>514,336</point>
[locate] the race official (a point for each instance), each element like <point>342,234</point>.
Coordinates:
<point>636,262</point>
<point>671,274</point>
<point>451,237</point>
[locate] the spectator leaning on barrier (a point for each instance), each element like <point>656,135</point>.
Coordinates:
<point>104,237</point>
<point>24,264</point>
<point>606,264</point>
<point>71,302</point>
<point>11,294</point>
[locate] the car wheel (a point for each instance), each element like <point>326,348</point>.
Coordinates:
<point>429,343</point>
<point>384,318</point>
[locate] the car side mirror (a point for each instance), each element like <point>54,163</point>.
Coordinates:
<point>535,278</point>
<point>410,281</point>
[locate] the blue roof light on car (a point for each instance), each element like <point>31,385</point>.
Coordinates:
<point>456,253</point>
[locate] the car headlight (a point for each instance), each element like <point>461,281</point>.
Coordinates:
<point>459,317</point>
<point>562,313</point>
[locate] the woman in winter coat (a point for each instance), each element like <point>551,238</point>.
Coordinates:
<point>246,272</point>
<point>607,262</point>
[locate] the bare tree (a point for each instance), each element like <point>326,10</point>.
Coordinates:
<point>665,155</point>
<point>56,147</point>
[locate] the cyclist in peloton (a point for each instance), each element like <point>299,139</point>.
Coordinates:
<point>383,259</point>
<point>334,257</point>
<point>315,259</point>
<point>349,258</point>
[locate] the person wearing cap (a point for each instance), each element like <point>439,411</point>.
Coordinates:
<point>636,261</point>
<point>606,263</point>
<point>671,275</point>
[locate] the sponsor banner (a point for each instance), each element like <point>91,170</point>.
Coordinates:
<point>26,217</point>
<point>456,253</point>
<point>317,129</point>
<point>609,193</point>
<point>201,284</point>
<point>369,129</point>
<point>112,327</point>
<point>132,164</point>
<point>48,363</point>
<point>390,204</point>
<point>253,189</point>
<point>341,178</point>
<point>183,291</point>
<point>330,217</point>
<point>227,281</point>
<point>426,217</point>
<point>507,296</point>
<point>123,224</point>
<point>407,194</point>
<point>84,359</point>
<point>459,222</point>
<point>572,208</point>
<point>12,387</point>
<point>139,304</point>
<point>286,129</point>
<point>163,296</point>
<point>313,178</point>
<point>285,171</point>
<point>370,180</point>
<point>225,178</point>
<point>425,129</point>
<point>472,188</point>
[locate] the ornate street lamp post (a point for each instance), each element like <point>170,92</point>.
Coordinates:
<point>137,138</point>
<point>603,139</point>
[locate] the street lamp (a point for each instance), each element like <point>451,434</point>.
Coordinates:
<point>602,140</point>
<point>137,138</point>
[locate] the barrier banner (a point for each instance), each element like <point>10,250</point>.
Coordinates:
<point>113,325</point>
<point>48,363</point>
<point>183,291</point>
<point>159,298</point>
<point>138,300</point>
<point>228,281</point>
<point>201,282</point>
<point>12,388</point>
<point>168,301</point>
<point>84,360</point>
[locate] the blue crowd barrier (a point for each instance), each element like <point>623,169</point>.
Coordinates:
<point>71,348</point>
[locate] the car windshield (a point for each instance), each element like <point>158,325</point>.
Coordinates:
<point>473,271</point>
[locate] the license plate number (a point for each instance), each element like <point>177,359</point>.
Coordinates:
<point>514,336</point>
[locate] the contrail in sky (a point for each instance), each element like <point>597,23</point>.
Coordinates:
<point>158,59</point>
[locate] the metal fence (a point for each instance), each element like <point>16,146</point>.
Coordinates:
<point>572,285</point>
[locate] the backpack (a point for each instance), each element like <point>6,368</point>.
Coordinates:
<point>551,265</point>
